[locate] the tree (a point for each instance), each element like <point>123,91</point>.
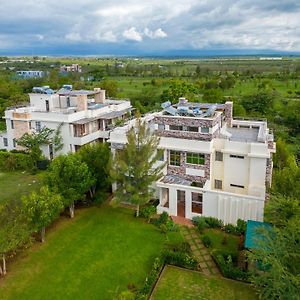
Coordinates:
<point>70,177</point>
<point>261,101</point>
<point>41,209</point>
<point>97,157</point>
<point>279,257</point>
<point>133,167</point>
<point>14,230</point>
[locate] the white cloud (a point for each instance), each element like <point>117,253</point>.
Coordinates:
<point>132,34</point>
<point>73,37</point>
<point>157,34</point>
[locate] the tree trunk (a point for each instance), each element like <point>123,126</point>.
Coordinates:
<point>72,208</point>
<point>138,210</point>
<point>43,233</point>
<point>93,191</point>
<point>1,271</point>
<point>4,264</point>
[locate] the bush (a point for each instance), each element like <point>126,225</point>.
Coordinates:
<point>206,241</point>
<point>201,225</point>
<point>10,161</point>
<point>241,226</point>
<point>163,218</point>
<point>43,164</point>
<point>213,222</point>
<point>227,267</point>
<point>229,228</point>
<point>148,212</point>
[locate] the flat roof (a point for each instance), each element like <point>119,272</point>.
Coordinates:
<point>243,134</point>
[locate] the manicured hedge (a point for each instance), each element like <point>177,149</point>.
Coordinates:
<point>10,161</point>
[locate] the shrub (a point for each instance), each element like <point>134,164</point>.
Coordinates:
<point>229,228</point>
<point>206,241</point>
<point>195,220</point>
<point>15,161</point>
<point>201,225</point>
<point>213,222</point>
<point>148,212</point>
<point>241,226</point>
<point>163,218</point>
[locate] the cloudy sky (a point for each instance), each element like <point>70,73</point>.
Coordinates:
<point>148,26</point>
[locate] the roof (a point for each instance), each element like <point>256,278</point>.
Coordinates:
<point>254,233</point>
<point>114,114</point>
<point>64,91</point>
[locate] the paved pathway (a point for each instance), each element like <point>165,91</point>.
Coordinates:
<point>206,263</point>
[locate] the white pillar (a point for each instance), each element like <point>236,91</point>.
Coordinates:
<point>188,204</point>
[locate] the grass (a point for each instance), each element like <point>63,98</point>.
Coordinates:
<point>15,184</point>
<point>217,236</point>
<point>183,284</point>
<point>94,256</point>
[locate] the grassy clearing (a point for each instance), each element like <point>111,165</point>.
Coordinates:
<point>15,184</point>
<point>95,256</point>
<point>184,284</point>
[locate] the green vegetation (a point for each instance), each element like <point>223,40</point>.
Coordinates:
<point>183,284</point>
<point>99,254</point>
<point>15,184</point>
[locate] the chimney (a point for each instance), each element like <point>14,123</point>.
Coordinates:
<point>82,102</point>
<point>228,113</point>
<point>100,95</point>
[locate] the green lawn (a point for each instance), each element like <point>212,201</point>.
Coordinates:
<point>184,284</point>
<point>217,237</point>
<point>15,184</point>
<point>94,256</point>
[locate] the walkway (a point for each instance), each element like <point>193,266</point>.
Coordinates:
<point>206,263</point>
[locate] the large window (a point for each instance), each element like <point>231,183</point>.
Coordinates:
<point>197,203</point>
<point>175,127</point>
<point>204,130</point>
<point>38,126</point>
<point>5,143</point>
<point>195,158</point>
<point>174,158</point>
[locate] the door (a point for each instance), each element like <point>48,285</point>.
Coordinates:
<point>181,203</point>
<point>47,105</point>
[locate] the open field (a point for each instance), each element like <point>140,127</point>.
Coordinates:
<point>180,284</point>
<point>15,184</point>
<point>95,256</point>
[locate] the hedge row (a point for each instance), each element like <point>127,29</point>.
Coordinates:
<point>10,161</point>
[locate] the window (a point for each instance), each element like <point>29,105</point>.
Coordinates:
<point>237,185</point>
<point>193,128</point>
<point>29,124</point>
<point>38,126</point>
<point>174,158</point>
<point>5,143</point>
<point>161,127</point>
<point>68,102</point>
<point>175,127</point>
<point>219,156</point>
<point>14,143</point>
<point>195,158</point>
<point>204,130</point>
<point>162,157</point>
<point>237,156</point>
<point>218,184</point>
<point>12,124</point>
<point>197,201</point>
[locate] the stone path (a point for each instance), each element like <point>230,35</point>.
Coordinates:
<point>206,263</point>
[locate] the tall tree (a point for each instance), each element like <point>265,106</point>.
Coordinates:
<point>41,209</point>
<point>70,177</point>
<point>97,157</point>
<point>133,167</point>
<point>14,230</point>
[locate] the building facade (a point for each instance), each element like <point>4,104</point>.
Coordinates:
<point>83,117</point>
<point>214,165</point>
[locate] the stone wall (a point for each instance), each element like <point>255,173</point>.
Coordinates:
<point>228,113</point>
<point>181,170</point>
<point>20,128</point>
<point>269,171</point>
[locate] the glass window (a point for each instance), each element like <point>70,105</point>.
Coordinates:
<point>174,158</point>
<point>237,156</point>
<point>219,156</point>
<point>175,127</point>
<point>195,158</point>
<point>218,184</point>
<point>197,201</point>
<point>193,129</point>
<point>204,130</point>
<point>12,124</point>
<point>14,143</point>
<point>38,126</point>
<point>5,143</point>
<point>161,126</point>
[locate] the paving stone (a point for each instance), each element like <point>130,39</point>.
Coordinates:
<point>193,247</point>
<point>207,257</point>
<point>206,271</point>
<point>202,265</point>
<point>210,263</point>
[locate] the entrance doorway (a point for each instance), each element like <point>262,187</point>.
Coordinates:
<point>181,203</point>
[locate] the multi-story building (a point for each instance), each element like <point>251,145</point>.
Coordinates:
<point>72,68</point>
<point>83,117</point>
<point>31,74</point>
<point>215,165</point>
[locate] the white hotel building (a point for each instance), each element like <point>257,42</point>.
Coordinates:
<point>215,165</point>
<point>83,117</point>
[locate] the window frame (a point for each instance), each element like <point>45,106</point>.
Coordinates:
<point>217,184</point>
<point>175,162</point>
<point>197,202</point>
<point>176,127</point>
<point>190,157</point>
<point>218,156</point>
<point>5,142</point>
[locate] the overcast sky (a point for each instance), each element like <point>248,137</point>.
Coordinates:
<point>141,27</point>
